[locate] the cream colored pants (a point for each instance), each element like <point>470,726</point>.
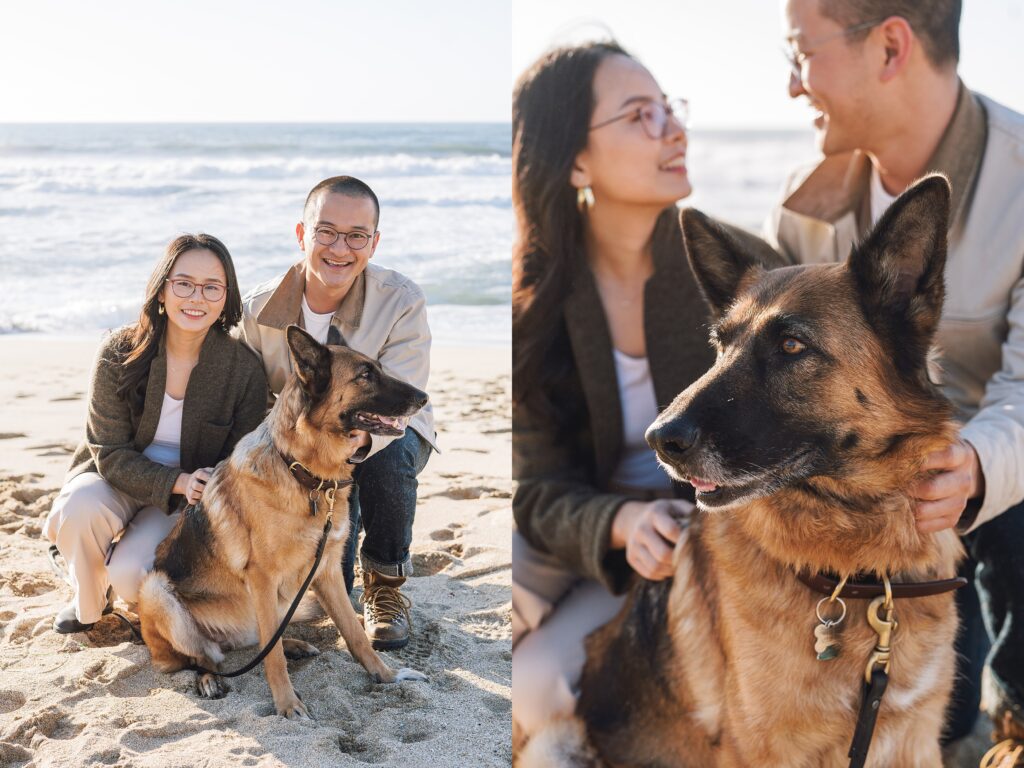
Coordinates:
<point>86,517</point>
<point>553,611</point>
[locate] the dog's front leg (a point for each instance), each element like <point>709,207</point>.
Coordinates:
<point>264,595</point>
<point>330,590</point>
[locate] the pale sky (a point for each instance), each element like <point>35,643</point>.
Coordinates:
<point>255,60</point>
<point>725,55</point>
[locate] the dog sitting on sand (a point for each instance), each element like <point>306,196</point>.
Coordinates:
<point>232,566</point>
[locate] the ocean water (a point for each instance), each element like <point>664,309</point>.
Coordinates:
<point>86,210</point>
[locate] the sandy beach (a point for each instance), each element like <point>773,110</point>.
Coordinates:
<point>86,699</point>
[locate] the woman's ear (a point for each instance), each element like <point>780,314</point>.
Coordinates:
<point>580,176</point>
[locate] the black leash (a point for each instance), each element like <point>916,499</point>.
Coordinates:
<point>869,706</point>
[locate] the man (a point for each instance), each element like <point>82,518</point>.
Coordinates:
<point>340,298</point>
<point>882,77</point>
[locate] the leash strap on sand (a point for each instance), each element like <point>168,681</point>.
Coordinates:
<point>869,706</point>
<point>288,616</point>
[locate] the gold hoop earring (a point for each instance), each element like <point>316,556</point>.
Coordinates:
<point>584,199</point>
<point>160,309</point>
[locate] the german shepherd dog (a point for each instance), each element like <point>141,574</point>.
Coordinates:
<point>232,566</point>
<point>801,442</point>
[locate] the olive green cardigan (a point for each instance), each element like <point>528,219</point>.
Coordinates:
<point>562,503</point>
<point>226,398</point>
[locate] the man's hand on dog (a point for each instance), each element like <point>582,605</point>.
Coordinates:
<point>192,486</point>
<point>951,477</point>
<point>649,531</point>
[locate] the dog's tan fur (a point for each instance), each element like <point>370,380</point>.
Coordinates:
<point>716,668</point>
<point>229,571</point>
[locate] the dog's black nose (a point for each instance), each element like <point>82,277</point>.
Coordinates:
<point>673,439</point>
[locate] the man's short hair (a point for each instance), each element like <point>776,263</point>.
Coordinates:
<point>342,185</point>
<point>935,22</point>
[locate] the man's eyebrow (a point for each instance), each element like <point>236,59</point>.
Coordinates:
<point>355,227</point>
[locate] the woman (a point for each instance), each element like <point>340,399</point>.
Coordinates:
<point>170,397</point>
<point>608,326</point>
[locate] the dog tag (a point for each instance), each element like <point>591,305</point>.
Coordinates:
<point>826,634</point>
<point>826,643</point>
<point>312,503</point>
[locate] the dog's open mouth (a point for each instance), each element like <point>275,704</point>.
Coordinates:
<point>376,424</point>
<point>711,495</point>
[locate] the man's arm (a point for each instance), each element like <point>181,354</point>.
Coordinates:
<point>405,355</point>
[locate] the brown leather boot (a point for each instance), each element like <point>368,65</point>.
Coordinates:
<point>385,611</point>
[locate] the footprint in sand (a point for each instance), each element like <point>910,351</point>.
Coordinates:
<point>11,435</point>
<point>430,563</point>
<point>360,750</point>
<point>68,398</point>
<point>10,701</point>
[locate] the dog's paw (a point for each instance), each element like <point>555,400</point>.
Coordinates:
<point>409,674</point>
<point>294,710</point>
<point>299,649</point>
<point>211,686</point>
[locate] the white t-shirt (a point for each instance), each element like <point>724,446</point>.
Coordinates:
<point>880,199</point>
<point>638,467</point>
<point>166,446</point>
<point>316,325</point>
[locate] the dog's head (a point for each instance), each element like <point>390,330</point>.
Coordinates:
<point>821,370</point>
<point>341,390</point>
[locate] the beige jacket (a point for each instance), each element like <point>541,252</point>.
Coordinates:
<point>981,334</point>
<point>384,316</point>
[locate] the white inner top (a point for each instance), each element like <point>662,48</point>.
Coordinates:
<point>316,325</point>
<point>880,199</point>
<point>638,467</point>
<point>166,446</point>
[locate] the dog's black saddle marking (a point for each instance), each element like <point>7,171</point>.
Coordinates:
<point>188,548</point>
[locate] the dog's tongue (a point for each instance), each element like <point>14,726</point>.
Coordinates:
<point>703,485</point>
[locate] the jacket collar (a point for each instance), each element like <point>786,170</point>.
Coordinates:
<point>671,303</point>
<point>284,306</point>
<point>839,184</point>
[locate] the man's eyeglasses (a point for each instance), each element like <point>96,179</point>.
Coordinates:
<point>796,57</point>
<point>354,240</point>
<point>183,289</point>
<point>653,116</point>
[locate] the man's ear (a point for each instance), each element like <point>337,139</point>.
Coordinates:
<point>718,260</point>
<point>899,271</point>
<point>311,361</point>
<point>300,233</point>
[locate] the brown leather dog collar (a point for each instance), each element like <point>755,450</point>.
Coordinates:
<point>308,480</point>
<point>864,590</point>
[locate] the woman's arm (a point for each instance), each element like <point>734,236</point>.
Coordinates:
<point>110,438</point>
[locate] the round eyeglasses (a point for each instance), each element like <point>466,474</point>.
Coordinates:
<point>653,116</point>
<point>183,289</point>
<point>354,240</point>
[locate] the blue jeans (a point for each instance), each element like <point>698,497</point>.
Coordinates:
<point>384,502</point>
<point>996,562</point>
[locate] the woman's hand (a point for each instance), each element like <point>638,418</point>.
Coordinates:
<point>192,486</point>
<point>649,532</point>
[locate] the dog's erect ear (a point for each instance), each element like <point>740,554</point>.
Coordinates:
<point>899,270</point>
<point>718,259</point>
<point>312,361</point>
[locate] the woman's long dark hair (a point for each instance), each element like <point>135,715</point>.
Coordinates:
<point>552,107</point>
<point>140,342</point>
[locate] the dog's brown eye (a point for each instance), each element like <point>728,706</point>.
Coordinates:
<point>793,346</point>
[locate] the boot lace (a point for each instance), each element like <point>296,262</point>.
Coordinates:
<point>1005,754</point>
<point>385,604</point>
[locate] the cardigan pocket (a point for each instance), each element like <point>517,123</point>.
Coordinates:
<point>212,438</point>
